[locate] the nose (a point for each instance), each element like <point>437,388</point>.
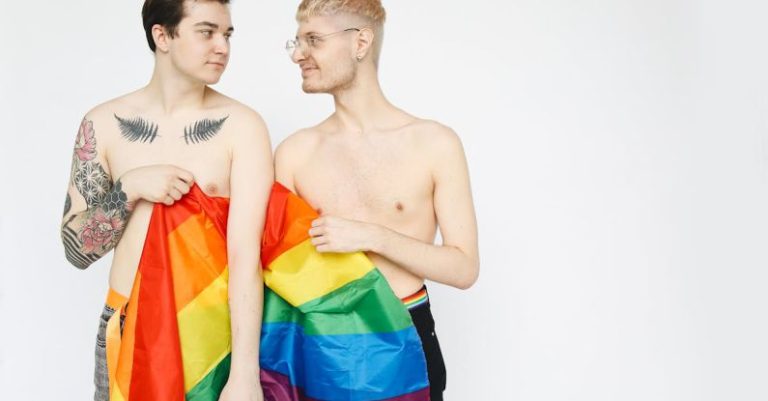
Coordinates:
<point>221,47</point>
<point>298,55</point>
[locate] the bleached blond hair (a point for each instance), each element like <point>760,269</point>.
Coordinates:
<point>369,10</point>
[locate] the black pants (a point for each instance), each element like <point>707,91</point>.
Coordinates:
<point>425,325</point>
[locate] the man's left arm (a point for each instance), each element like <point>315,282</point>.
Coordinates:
<point>456,261</point>
<point>250,183</point>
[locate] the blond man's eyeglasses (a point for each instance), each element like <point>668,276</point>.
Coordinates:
<point>309,42</point>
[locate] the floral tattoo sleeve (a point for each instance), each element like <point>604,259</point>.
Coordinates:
<point>90,234</point>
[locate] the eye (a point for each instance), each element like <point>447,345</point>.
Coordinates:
<point>313,40</point>
<point>227,36</point>
<point>207,33</point>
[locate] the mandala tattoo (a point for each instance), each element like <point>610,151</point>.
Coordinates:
<point>203,130</point>
<point>92,233</point>
<point>92,182</point>
<point>137,129</point>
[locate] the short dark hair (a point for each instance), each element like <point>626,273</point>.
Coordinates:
<point>167,13</point>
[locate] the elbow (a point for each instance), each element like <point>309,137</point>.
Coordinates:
<point>466,283</point>
<point>471,272</point>
<point>74,257</point>
<point>80,264</point>
<point>244,262</point>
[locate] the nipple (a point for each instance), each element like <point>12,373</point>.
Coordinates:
<point>211,189</point>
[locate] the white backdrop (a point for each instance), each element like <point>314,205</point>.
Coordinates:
<point>619,157</point>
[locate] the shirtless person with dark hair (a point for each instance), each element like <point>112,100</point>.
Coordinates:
<point>155,145</point>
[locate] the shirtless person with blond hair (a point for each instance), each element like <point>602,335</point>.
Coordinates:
<point>151,146</point>
<point>382,179</point>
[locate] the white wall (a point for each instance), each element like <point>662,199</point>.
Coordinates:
<point>618,152</point>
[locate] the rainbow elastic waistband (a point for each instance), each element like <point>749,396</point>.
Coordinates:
<point>418,298</point>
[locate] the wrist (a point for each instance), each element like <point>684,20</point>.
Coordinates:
<point>126,186</point>
<point>377,239</point>
<point>244,371</point>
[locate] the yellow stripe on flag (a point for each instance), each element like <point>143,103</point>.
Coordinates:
<point>301,274</point>
<point>204,331</point>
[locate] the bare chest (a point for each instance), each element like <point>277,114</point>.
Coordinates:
<point>371,184</point>
<point>209,162</point>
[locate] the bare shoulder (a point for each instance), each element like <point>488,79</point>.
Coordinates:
<point>100,119</point>
<point>105,112</point>
<point>293,152</point>
<point>243,121</point>
<point>298,145</point>
<point>131,103</point>
<point>434,137</point>
<point>442,148</point>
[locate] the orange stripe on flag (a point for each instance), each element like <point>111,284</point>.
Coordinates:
<point>198,255</point>
<point>277,237</point>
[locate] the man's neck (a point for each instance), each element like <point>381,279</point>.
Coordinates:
<point>171,91</point>
<point>363,108</point>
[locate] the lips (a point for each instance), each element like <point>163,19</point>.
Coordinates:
<point>306,70</point>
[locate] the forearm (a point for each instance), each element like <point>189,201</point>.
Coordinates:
<point>92,233</point>
<point>444,264</point>
<point>245,302</point>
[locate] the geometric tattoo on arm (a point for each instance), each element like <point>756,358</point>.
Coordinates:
<point>92,182</point>
<point>137,129</point>
<point>90,234</point>
<point>72,246</point>
<point>203,130</point>
<point>67,204</point>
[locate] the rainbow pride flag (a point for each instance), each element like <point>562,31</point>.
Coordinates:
<point>175,342</point>
<point>332,327</point>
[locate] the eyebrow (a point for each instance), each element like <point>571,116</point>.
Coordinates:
<point>212,25</point>
<point>308,33</point>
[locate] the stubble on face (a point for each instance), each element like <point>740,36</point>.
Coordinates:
<point>335,69</point>
<point>337,75</point>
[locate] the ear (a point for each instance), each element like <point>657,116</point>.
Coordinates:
<point>161,37</point>
<point>364,43</point>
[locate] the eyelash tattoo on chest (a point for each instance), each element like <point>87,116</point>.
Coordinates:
<point>203,130</point>
<point>137,129</point>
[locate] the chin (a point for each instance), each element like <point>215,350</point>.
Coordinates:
<point>310,87</point>
<point>210,77</point>
<point>210,80</point>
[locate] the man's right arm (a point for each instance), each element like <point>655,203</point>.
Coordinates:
<point>96,210</point>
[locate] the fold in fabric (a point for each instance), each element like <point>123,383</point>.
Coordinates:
<point>175,343</point>
<point>332,327</point>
